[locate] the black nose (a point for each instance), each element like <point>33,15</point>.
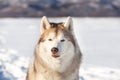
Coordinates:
<point>54,50</point>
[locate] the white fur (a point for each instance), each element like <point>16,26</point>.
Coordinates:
<point>66,53</point>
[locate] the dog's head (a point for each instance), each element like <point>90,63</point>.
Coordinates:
<point>56,38</point>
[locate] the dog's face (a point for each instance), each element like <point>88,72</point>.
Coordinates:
<point>56,39</point>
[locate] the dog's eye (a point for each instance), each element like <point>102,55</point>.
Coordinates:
<point>62,40</point>
<point>49,39</point>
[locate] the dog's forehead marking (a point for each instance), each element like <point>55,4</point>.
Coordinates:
<point>57,29</point>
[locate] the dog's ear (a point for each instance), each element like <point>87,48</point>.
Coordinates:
<point>44,25</point>
<point>69,24</point>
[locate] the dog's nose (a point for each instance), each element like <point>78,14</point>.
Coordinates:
<point>54,50</point>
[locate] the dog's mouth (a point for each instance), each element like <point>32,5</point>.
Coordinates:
<point>55,55</point>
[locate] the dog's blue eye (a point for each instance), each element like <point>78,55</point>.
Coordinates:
<point>62,40</point>
<point>49,39</point>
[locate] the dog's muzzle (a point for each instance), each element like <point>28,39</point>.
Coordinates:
<point>54,51</point>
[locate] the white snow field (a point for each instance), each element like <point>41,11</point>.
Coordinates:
<point>99,40</point>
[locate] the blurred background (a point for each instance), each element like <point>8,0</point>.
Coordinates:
<point>58,8</point>
<point>96,26</point>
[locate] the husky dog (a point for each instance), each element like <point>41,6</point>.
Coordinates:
<point>57,54</point>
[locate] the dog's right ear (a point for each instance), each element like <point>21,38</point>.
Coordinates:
<point>44,25</point>
<point>69,24</point>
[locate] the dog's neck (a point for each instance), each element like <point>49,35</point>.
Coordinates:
<point>43,68</point>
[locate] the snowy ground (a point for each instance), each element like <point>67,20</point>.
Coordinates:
<point>14,67</point>
<point>99,39</point>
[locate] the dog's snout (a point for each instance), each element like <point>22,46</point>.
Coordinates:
<point>54,50</point>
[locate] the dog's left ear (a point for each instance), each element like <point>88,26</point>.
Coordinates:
<point>69,24</point>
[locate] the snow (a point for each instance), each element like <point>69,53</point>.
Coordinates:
<point>100,73</point>
<point>98,38</point>
<point>12,66</point>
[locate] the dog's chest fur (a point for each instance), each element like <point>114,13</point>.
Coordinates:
<point>65,70</point>
<point>71,77</point>
<point>53,76</point>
